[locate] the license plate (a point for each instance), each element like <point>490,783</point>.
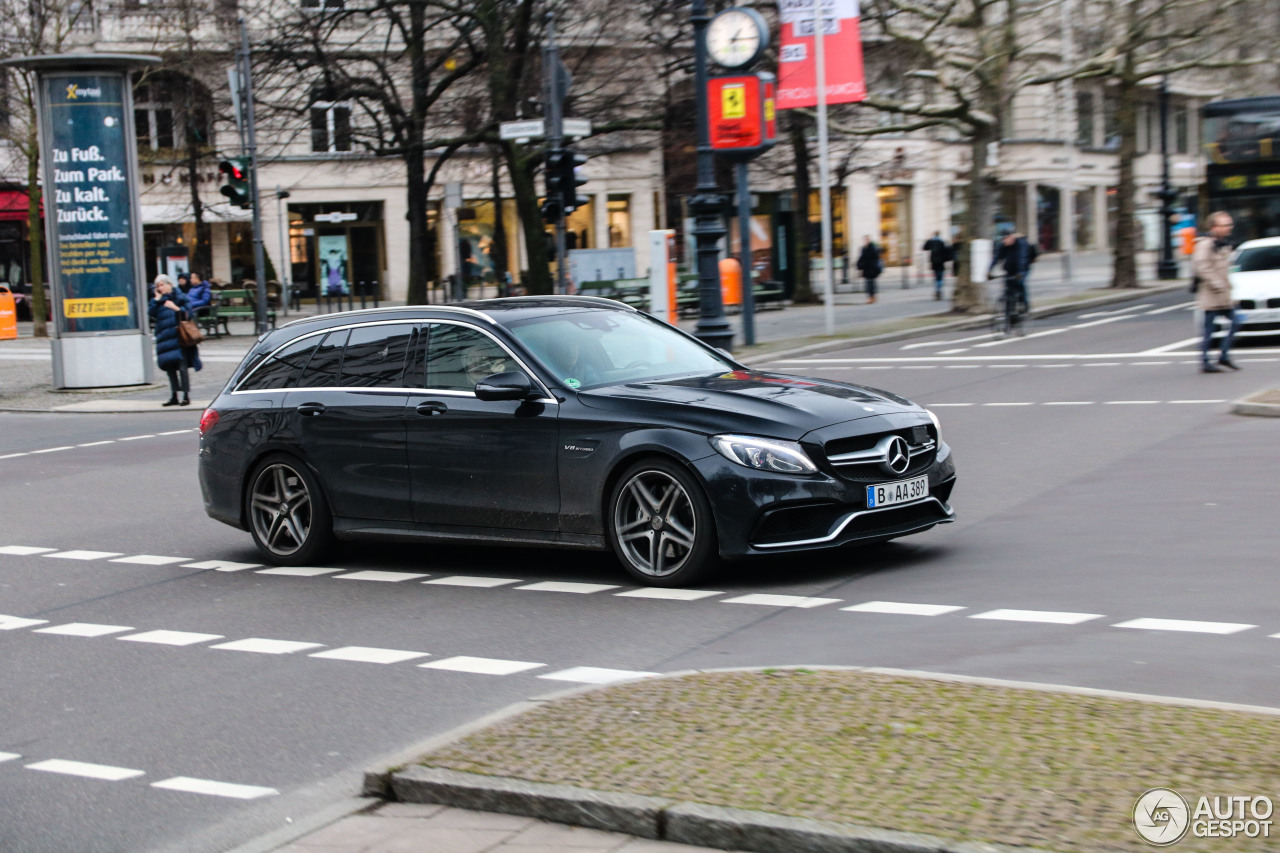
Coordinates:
<point>903,491</point>
<point>1263,316</point>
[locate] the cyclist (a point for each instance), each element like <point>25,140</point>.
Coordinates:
<point>1017,256</point>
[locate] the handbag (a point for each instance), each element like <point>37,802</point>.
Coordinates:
<point>189,333</point>
<point>1195,283</point>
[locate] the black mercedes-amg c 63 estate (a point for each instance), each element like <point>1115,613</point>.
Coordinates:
<point>560,421</point>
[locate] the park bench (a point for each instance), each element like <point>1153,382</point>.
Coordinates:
<point>238,303</point>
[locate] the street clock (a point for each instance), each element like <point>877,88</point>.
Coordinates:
<point>737,37</point>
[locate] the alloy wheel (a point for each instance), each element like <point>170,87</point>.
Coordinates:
<point>655,523</point>
<point>280,506</point>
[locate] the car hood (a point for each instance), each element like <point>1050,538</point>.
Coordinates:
<point>1261,284</point>
<point>769,404</point>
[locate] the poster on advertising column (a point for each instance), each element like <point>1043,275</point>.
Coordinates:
<point>841,47</point>
<point>87,193</point>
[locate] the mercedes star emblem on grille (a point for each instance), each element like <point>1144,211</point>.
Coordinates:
<point>897,457</point>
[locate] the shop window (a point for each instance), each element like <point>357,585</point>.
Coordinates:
<point>1084,219</point>
<point>895,224</point>
<point>1181,130</point>
<point>330,122</point>
<point>619,221</point>
<point>580,228</point>
<point>839,240</point>
<point>1084,119</point>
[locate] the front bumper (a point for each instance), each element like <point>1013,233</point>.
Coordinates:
<point>760,513</point>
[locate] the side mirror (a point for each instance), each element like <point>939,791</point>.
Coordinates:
<point>512,385</point>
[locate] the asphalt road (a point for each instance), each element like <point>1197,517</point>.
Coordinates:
<point>1102,481</point>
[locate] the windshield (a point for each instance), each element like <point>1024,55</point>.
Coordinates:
<point>1259,258</point>
<point>593,348</point>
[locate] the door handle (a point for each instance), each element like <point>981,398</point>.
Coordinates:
<point>311,409</point>
<point>432,407</point>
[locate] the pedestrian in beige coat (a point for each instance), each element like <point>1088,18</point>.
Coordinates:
<point>1210,262</point>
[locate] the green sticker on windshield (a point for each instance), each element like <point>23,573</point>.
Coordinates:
<point>573,383</point>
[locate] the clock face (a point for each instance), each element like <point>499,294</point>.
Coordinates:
<point>736,37</point>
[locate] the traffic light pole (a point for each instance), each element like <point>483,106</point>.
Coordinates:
<point>555,136</point>
<point>251,150</point>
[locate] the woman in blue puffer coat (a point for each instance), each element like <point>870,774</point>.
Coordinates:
<point>168,306</point>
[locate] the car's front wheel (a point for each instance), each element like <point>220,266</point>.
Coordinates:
<point>660,524</point>
<point>288,515</point>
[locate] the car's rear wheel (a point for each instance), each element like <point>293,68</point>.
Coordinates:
<point>660,524</point>
<point>288,515</point>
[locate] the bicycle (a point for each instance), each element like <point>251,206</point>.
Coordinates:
<point>1009,313</point>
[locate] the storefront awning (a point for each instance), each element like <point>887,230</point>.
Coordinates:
<point>13,206</point>
<point>172,214</point>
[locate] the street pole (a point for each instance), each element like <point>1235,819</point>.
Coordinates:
<point>286,286</point>
<point>251,149</point>
<point>824,173</point>
<point>713,328</point>
<point>1068,203</point>
<point>1167,268</point>
<point>744,234</point>
<point>555,133</point>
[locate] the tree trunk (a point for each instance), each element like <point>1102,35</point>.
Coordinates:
<point>537,278</point>
<point>35,234</point>
<point>967,297</point>
<point>804,294</point>
<point>1126,248</point>
<point>499,250</point>
<point>414,160</point>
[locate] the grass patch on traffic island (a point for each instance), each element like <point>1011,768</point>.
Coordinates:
<point>957,760</point>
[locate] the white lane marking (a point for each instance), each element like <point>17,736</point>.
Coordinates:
<point>1103,364</point>
<point>12,623</point>
<point>384,577</point>
<point>1185,625</point>
<point>769,600</point>
<point>919,367</point>
<point>1176,345</point>
<point>136,437</point>
<point>1051,366</point>
<point>296,571</point>
<point>903,608</point>
<point>482,666</point>
<point>962,366</point>
<point>1124,310</point>
<point>214,789</point>
<point>984,336</point>
<point>669,594</point>
<point>176,432</point>
<point>171,638</point>
<point>1052,617</point>
<point>1022,356</point>
<point>562,586</point>
<point>24,550</point>
<point>12,455</point>
<point>1002,341</point>
<point>1149,363</point>
<point>88,771</point>
<point>1131,402</point>
<point>1180,306</point>
<point>1184,402</point>
<point>1070,403</point>
<point>949,405</point>
<point>465,580</point>
<point>366,654</point>
<point>97,443</point>
<point>266,647</point>
<point>149,560</point>
<point>53,449</point>
<point>1008,404</point>
<point>222,566</point>
<point>8,756</point>
<point>1090,325</point>
<point>596,675</point>
<point>83,629</point>
<point>83,555</point>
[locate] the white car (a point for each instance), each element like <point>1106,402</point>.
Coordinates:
<point>1255,286</point>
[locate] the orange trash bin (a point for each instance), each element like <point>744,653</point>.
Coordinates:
<point>8,315</point>
<point>731,281</point>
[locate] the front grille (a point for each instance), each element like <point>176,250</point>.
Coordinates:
<point>889,521</point>
<point>1264,327</point>
<point>922,442</point>
<point>796,523</point>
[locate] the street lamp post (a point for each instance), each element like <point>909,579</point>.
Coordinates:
<point>713,327</point>
<point>1167,267</point>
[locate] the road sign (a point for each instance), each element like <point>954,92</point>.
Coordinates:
<point>577,127</point>
<point>530,129</point>
<point>453,194</point>
<point>335,217</point>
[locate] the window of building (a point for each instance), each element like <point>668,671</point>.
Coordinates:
<point>895,224</point>
<point>172,111</point>
<point>839,243</point>
<point>1084,119</point>
<point>1181,130</point>
<point>1110,124</point>
<point>153,116</point>
<point>619,221</point>
<point>321,5</point>
<point>330,122</point>
<point>4,101</point>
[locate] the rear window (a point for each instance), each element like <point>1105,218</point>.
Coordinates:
<point>1258,258</point>
<point>282,368</point>
<point>375,356</point>
<point>323,368</point>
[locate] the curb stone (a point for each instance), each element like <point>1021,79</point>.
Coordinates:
<point>1258,404</point>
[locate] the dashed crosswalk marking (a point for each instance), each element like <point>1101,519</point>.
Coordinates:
<point>1052,617</point>
<point>221,566</point>
<point>95,443</point>
<point>84,629</point>
<point>9,756</point>
<point>89,771</point>
<point>903,608</point>
<point>564,586</point>
<point>596,675</point>
<point>189,785</point>
<point>83,555</point>
<point>171,638</point>
<point>771,600</point>
<point>1185,625</point>
<point>365,654</point>
<point>13,623</point>
<point>668,594</point>
<point>266,647</point>
<point>478,582</point>
<point>482,666</point>
<point>149,560</point>
<point>385,577</point>
<point>297,571</point>
<point>24,550</point>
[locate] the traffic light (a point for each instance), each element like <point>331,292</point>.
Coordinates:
<point>551,209</point>
<point>570,180</point>
<point>237,187</point>
<point>555,183</point>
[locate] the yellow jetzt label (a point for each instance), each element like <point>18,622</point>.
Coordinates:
<point>110,306</point>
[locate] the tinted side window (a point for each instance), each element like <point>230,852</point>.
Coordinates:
<point>281,369</point>
<point>459,357</point>
<point>325,364</point>
<point>375,356</point>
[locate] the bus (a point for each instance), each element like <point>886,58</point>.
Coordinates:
<point>1241,140</point>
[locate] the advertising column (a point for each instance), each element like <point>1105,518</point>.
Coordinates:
<point>87,149</point>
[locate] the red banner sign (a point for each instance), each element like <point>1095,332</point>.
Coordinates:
<point>841,47</point>
<point>742,113</point>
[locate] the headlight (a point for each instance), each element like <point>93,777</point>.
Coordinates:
<point>936,424</point>
<point>764,454</point>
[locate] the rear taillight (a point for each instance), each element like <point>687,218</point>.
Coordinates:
<point>208,421</point>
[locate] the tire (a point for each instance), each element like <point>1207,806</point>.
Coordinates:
<point>288,515</point>
<point>660,525</point>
